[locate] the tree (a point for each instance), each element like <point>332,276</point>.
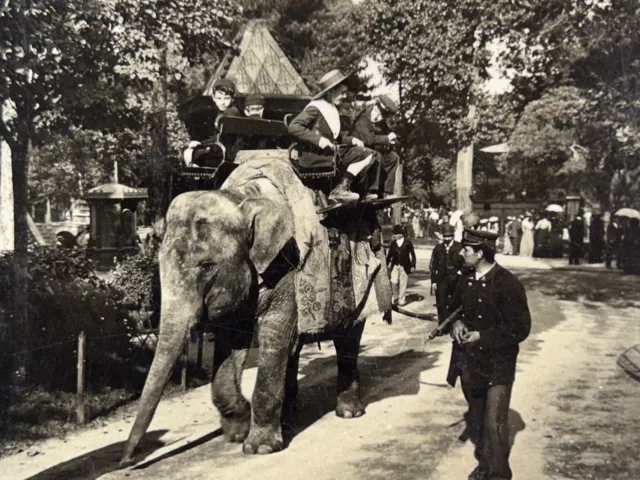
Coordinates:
<point>585,70</point>
<point>91,64</point>
<point>439,52</point>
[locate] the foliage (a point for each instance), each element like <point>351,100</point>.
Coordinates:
<point>436,52</point>
<point>67,166</point>
<point>585,89</point>
<point>97,64</point>
<point>137,278</point>
<point>100,65</point>
<point>66,297</point>
<point>439,53</point>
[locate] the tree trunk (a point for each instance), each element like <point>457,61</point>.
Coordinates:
<point>21,328</point>
<point>464,179</point>
<point>397,190</point>
<point>161,174</point>
<point>6,196</point>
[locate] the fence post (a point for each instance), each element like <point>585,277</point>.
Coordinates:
<point>82,343</point>
<point>185,360</point>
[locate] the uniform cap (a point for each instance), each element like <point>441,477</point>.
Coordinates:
<point>479,237</point>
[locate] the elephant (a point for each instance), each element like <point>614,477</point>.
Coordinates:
<point>227,259</point>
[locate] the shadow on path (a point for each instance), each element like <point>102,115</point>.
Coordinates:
<point>381,377</point>
<point>99,462</point>
<point>614,290</point>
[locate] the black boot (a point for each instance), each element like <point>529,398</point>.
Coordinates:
<point>479,473</point>
<point>341,192</point>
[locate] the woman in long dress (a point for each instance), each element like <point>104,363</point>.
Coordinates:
<point>527,244</point>
<point>417,228</point>
<point>542,237</point>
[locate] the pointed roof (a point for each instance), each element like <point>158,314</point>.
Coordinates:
<point>260,67</point>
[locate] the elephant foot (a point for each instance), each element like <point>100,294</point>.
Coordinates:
<point>263,440</point>
<point>236,427</point>
<point>349,406</point>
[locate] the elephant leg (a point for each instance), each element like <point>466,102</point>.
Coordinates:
<point>291,379</point>
<point>230,353</point>
<point>277,336</point>
<point>347,349</point>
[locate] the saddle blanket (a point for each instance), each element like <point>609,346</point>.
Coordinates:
<point>325,297</point>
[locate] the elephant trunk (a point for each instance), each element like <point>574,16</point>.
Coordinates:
<point>173,332</point>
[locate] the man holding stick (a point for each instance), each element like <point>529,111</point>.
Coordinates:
<point>494,319</point>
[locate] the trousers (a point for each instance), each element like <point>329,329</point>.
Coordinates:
<point>488,424</point>
<point>382,176</point>
<point>399,280</point>
<point>443,298</point>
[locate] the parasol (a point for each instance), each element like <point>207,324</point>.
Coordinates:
<point>554,207</point>
<point>628,212</point>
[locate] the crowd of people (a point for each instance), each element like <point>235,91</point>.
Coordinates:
<point>588,238</point>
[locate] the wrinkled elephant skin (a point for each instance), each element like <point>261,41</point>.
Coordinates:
<point>216,246</point>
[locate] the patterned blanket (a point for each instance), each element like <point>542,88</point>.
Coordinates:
<point>317,280</point>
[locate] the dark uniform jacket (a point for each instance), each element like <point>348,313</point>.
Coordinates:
<point>372,134</point>
<point>404,256</point>
<point>445,262</point>
<point>496,306</point>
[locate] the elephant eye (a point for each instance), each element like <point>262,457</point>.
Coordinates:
<point>208,268</point>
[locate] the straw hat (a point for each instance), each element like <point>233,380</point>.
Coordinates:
<point>330,80</point>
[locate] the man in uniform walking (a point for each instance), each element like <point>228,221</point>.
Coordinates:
<point>444,266</point>
<point>495,318</point>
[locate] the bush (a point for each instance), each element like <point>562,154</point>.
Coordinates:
<point>137,279</point>
<point>65,298</point>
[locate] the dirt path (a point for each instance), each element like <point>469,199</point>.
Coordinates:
<point>574,413</point>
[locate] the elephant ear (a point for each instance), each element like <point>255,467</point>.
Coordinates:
<point>270,228</point>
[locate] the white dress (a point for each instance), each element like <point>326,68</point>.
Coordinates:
<point>526,244</point>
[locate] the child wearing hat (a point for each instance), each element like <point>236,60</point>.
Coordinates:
<point>318,128</point>
<point>200,115</point>
<point>254,106</point>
